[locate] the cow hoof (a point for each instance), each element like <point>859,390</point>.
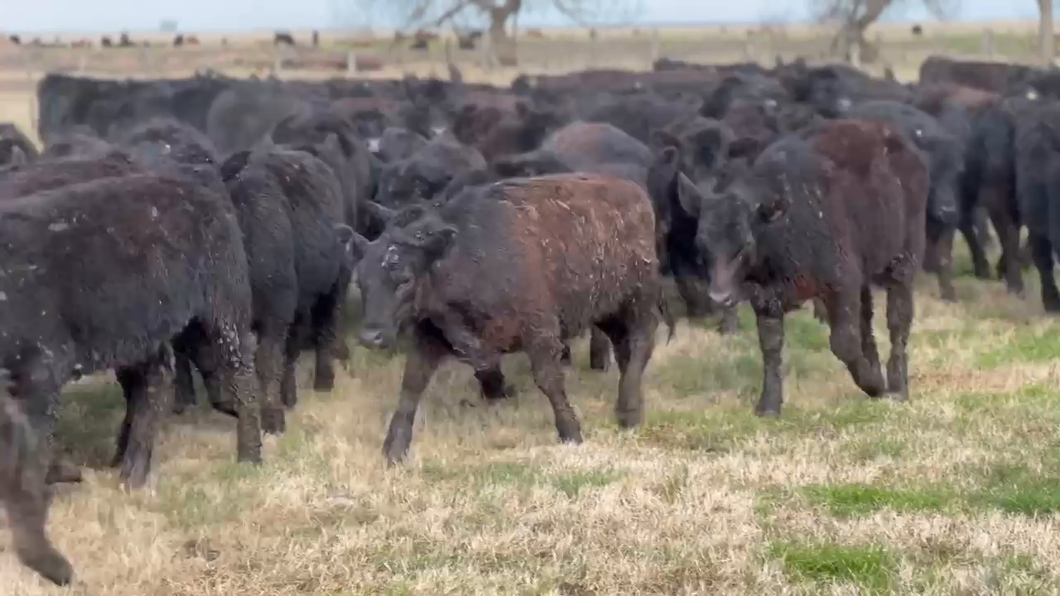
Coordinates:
<point>273,421</point>
<point>631,419</point>
<point>396,445</point>
<point>50,564</point>
<point>324,383</point>
<point>600,366</point>
<point>570,433</point>
<point>767,413</point>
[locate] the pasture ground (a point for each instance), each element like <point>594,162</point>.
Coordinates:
<point>956,492</point>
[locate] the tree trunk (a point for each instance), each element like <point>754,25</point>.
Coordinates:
<point>1045,31</point>
<point>502,44</point>
<point>851,36</point>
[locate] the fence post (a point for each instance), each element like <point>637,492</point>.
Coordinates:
<point>855,55</point>
<point>277,63</point>
<point>351,63</point>
<point>988,42</point>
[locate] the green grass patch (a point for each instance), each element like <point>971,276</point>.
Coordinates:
<point>1040,345</point>
<point>693,375</point>
<point>872,448</point>
<point>89,420</point>
<point>573,483</point>
<point>869,566</point>
<point>850,500</point>
<point>803,332</point>
<point>1031,496</point>
<point>714,430</point>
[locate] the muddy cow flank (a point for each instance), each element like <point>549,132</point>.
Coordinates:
<point>521,265</point>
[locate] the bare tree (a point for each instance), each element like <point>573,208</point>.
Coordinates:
<point>498,14</point>
<point>853,17</point>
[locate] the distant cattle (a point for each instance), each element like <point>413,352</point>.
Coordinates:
<point>283,38</point>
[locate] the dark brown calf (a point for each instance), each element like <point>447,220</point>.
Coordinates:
<point>823,214</point>
<point>521,265</point>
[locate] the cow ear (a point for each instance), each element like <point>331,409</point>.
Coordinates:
<point>688,195</point>
<point>772,209</point>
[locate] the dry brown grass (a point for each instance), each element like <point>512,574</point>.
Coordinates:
<point>704,499</point>
<point>956,492</point>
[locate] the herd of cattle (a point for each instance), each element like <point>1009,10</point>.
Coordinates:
<point>218,223</point>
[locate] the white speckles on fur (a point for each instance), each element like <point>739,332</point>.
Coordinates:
<point>58,226</point>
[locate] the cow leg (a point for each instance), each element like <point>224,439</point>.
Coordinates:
<point>634,341</point>
<point>325,321</point>
<point>975,246</point>
<point>544,355</point>
<point>943,249</point>
<point>599,350</point>
<point>931,253</point>
<point>146,401</point>
<point>183,382</point>
<point>424,358</point>
<point>492,384</point>
<point>234,348</point>
<point>899,323</point>
<point>193,343</point>
<point>39,390</point>
<point>868,336</point>
<point>289,381</point>
<point>25,494</point>
<point>1009,267</point>
<point>1042,251</point>
<point>844,311</point>
<point>771,342</point>
<point>982,227</point>
<point>565,358</point>
<point>729,323</point>
<point>1008,235</point>
<point>269,366</point>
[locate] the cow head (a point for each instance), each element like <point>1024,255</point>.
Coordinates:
<point>392,267</point>
<point>730,214</point>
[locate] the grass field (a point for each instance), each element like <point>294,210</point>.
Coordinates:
<point>956,492</point>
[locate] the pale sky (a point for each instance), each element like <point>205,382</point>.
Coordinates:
<point>233,15</point>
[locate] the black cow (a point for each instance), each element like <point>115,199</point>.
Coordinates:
<point>103,274</point>
<point>523,265</point>
<point>822,214</point>
<point>1037,145</point>
<point>944,155</point>
<point>291,211</point>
